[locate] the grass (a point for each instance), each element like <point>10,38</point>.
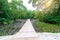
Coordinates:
<point>45,27</point>
<point>8,30</point>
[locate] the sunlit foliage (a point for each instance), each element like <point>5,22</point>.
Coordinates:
<point>43,4</point>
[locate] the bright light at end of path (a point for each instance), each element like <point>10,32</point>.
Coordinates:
<point>9,0</point>
<point>28,5</point>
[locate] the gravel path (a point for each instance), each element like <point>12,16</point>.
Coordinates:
<point>42,36</point>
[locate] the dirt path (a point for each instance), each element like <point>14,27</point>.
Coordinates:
<point>16,25</point>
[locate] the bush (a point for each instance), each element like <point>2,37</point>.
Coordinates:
<point>46,27</point>
<point>3,20</point>
<point>12,11</point>
<point>38,14</point>
<point>49,17</point>
<point>30,14</point>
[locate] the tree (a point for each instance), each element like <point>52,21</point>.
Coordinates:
<point>43,4</point>
<point>51,16</point>
<point>5,11</point>
<point>10,11</point>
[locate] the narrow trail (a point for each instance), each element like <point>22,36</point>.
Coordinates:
<point>18,24</point>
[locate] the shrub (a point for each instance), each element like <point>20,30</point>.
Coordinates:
<point>38,14</point>
<point>30,14</point>
<point>3,20</point>
<point>49,17</point>
<point>46,27</point>
<point>11,12</point>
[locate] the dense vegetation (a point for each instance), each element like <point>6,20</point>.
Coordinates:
<point>10,11</point>
<point>46,27</point>
<point>50,14</point>
<point>49,17</point>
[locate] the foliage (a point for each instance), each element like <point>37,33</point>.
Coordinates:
<point>30,14</point>
<point>10,11</point>
<point>18,9</point>
<point>38,14</point>
<point>53,17</point>
<point>49,18</point>
<point>4,11</point>
<point>8,30</point>
<point>45,3</point>
<point>45,27</point>
<point>27,14</point>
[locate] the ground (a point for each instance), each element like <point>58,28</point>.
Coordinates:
<point>13,28</point>
<point>42,36</point>
<point>10,29</point>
